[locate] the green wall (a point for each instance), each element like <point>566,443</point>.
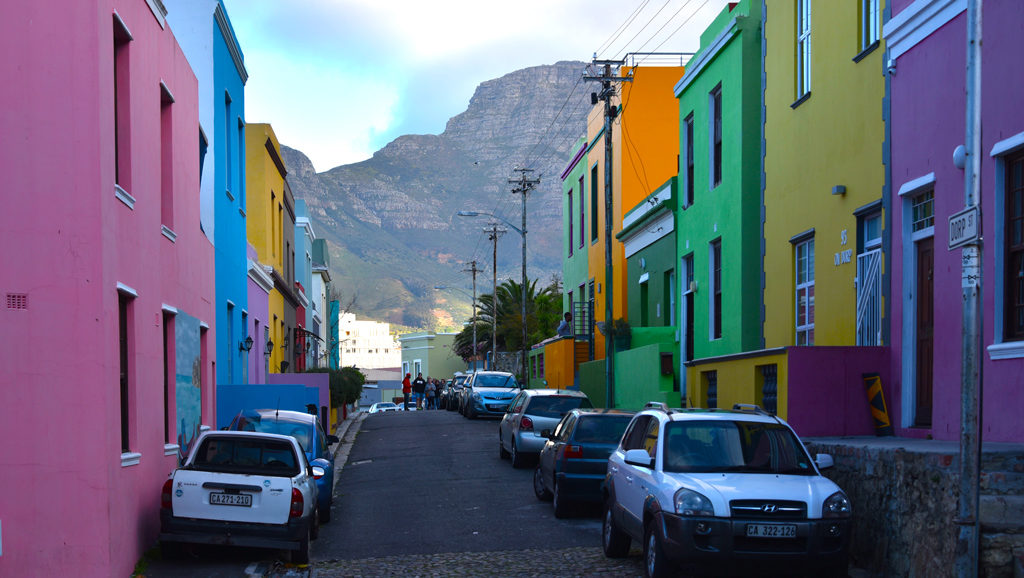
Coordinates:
<point>574,268</point>
<point>659,260</point>
<point>731,211</point>
<point>638,378</point>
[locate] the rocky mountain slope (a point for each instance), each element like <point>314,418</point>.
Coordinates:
<point>390,220</point>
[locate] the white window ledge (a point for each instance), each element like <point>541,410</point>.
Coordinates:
<point>1011,350</point>
<point>171,449</point>
<point>123,196</point>
<point>169,233</point>
<point>130,459</point>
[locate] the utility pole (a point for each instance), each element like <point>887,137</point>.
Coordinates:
<point>493,232</point>
<point>608,91</point>
<point>472,269</point>
<point>523,186</point>
<point>970,283</point>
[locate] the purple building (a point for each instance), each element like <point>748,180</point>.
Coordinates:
<point>926,42</point>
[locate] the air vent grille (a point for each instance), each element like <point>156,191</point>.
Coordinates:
<point>17,301</point>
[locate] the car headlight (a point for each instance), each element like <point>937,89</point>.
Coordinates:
<point>691,503</point>
<point>476,396</point>
<point>836,506</point>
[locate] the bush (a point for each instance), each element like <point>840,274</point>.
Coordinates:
<point>346,384</point>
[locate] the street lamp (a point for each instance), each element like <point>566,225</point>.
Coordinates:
<point>522,233</point>
<point>440,287</point>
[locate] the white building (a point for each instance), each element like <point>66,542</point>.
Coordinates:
<point>367,344</point>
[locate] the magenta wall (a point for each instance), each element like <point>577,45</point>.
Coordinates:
<point>259,308</point>
<point>826,394</point>
<point>68,506</point>
<point>926,124</point>
<point>321,381</point>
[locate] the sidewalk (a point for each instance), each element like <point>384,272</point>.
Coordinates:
<point>346,435</point>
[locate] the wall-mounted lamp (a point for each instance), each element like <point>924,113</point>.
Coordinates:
<point>285,344</point>
<point>269,349</point>
<point>284,366</point>
<point>245,345</point>
<point>839,190</point>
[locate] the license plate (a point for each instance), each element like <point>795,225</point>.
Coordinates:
<point>771,531</point>
<point>222,499</point>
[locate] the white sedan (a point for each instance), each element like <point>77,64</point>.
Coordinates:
<point>384,406</point>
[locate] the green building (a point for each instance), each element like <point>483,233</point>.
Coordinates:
<point>432,354</point>
<point>575,276</point>
<point>719,218</point>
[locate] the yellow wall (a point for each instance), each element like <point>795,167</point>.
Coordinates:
<point>559,363</point>
<point>739,381</point>
<point>832,138</point>
<point>643,160</point>
<point>264,223</point>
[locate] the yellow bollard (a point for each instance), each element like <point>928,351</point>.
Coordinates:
<point>876,400</point>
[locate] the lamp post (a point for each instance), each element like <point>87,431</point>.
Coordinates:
<point>522,233</point>
<point>441,287</point>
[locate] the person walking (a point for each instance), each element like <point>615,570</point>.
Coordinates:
<point>418,385</point>
<point>431,391</point>
<point>406,390</point>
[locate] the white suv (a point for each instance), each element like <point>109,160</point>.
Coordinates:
<point>734,490</point>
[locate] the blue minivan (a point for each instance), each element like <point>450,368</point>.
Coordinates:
<point>306,428</point>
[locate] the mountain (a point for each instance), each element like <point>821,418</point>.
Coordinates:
<point>390,220</point>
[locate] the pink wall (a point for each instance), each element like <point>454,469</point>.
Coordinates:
<point>927,123</point>
<point>826,389</point>
<point>68,505</point>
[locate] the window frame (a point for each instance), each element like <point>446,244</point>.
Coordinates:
<point>870,27</point>
<point>807,286</point>
<point>715,279</point>
<point>803,48</point>
<point>1010,250</point>
<point>688,170</point>
<point>715,133</point>
<point>570,214</point>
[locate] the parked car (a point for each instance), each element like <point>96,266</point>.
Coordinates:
<point>384,406</point>
<point>488,393</point>
<point>455,396</point>
<point>534,410</point>
<point>449,393</point>
<point>734,489</point>
<point>243,489</point>
<point>315,443</point>
<point>574,461</point>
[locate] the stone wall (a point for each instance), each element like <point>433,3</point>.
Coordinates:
<point>904,498</point>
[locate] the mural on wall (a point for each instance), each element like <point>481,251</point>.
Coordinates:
<point>187,381</point>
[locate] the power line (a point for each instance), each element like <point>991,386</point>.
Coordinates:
<point>622,28</point>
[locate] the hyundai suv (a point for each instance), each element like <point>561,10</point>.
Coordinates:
<point>731,489</point>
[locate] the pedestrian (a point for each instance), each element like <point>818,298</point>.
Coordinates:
<point>418,385</point>
<point>431,391</point>
<point>565,326</point>
<point>406,390</point>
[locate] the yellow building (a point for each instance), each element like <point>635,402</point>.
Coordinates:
<point>823,222</point>
<point>265,225</point>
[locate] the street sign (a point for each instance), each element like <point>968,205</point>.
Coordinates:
<point>964,228</point>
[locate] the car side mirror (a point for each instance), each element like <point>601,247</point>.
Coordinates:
<point>824,461</point>
<point>332,439</point>
<point>317,472</point>
<point>639,458</point>
<point>545,433</point>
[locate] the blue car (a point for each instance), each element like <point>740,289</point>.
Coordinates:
<point>305,428</point>
<point>489,393</point>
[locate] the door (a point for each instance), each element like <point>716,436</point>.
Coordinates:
<point>924,331</point>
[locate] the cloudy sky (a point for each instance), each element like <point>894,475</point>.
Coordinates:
<point>339,79</point>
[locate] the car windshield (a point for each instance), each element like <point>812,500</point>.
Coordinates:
<point>248,456</point>
<point>556,405</point>
<point>388,404</point>
<point>300,431</point>
<point>494,380</point>
<point>601,429</point>
<point>728,446</point>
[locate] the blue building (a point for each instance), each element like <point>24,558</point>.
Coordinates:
<point>304,239</point>
<point>205,34</point>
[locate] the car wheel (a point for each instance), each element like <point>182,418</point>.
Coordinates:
<point>614,541</point>
<point>502,452</point>
<point>560,504</point>
<point>314,526</point>
<point>301,556</point>
<point>539,488</point>
<point>471,414</point>
<point>518,459</point>
<point>655,563</point>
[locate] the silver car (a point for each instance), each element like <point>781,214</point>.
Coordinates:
<point>530,413</point>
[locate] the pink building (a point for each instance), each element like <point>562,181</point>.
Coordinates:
<point>108,280</point>
<point>927,42</point>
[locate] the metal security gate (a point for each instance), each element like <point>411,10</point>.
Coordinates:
<point>869,298</point>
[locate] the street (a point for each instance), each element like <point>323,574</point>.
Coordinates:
<point>425,493</point>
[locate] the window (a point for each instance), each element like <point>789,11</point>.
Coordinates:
<point>716,136</point>
<point>1014,316</point>
<point>227,140</point>
<point>922,211</point>
<point>204,145</point>
<point>582,221</point>
<point>570,216</point>
<point>803,48</point>
<point>230,337</point>
<point>670,298</point>
<point>125,336</point>
<point>122,105</point>
<point>166,157</point>
<point>168,374</point>
<point>688,183</point>
<point>868,23</point>
<point>240,189</point>
<point>593,203</point>
<point>805,293</point>
<point>716,288</point>
<point>869,279</point>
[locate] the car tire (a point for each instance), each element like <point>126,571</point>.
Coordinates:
<point>471,413</point>
<point>518,459</point>
<point>301,556</point>
<point>559,503</point>
<point>656,565</point>
<point>502,452</point>
<point>539,489</point>
<point>614,541</point>
<point>314,526</point>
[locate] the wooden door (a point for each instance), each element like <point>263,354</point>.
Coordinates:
<point>925,331</point>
